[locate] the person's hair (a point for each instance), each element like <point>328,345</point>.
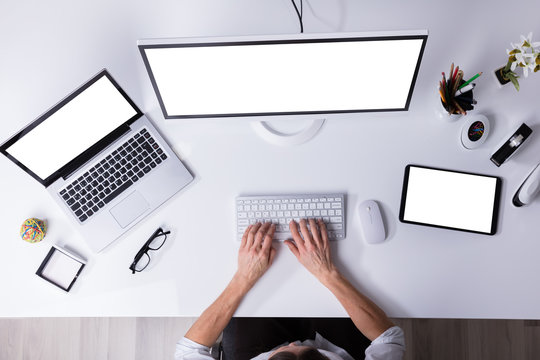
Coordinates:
<point>308,354</point>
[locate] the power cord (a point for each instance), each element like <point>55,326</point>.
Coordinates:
<point>299,13</point>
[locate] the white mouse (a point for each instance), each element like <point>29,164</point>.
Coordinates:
<point>371,222</point>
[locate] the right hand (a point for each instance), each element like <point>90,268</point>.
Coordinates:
<point>312,249</point>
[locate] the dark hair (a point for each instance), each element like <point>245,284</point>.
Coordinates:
<point>308,354</point>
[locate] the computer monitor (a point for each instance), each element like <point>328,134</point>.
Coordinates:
<point>284,74</point>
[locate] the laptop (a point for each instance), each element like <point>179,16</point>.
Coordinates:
<point>101,160</point>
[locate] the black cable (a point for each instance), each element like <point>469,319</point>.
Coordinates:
<point>299,13</point>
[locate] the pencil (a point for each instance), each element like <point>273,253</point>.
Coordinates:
<point>442,95</point>
<point>456,72</point>
<point>451,72</point>
<point>470,80</point>
<point>456,82</point>
<point>459,108</point>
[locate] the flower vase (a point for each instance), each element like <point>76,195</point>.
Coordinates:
<point>499,75</point>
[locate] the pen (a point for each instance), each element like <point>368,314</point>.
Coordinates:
<point>470,80</point>
<point>463,90</point>
<point>465,99</point>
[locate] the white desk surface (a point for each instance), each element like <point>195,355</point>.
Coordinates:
<point>49,48</point>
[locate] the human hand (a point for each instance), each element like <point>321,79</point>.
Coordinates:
<point>256,253</point>
<point>312,249</point>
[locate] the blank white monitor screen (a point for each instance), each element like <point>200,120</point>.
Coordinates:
<point>72,129</point>
<point>287,76</point>
<point>450,199</point>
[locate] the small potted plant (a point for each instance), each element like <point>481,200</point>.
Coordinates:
<point>525,55</point>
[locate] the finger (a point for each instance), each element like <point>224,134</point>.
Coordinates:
<point>245,236</point>
<point>293,226</point>
<point>324,232</point>
<point>251,235</point>
<point>267,243</point>
<point>315,231</point>
<point>293,248</point>
<point>272,256</point>
<point>308,239</point>
<point>261,234</point>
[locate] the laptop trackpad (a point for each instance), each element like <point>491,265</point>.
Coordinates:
<point>129,209</point>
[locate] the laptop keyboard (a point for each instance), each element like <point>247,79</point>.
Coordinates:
<point>107,179</point>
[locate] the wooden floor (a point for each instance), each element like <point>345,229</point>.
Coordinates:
<point>154,338</point>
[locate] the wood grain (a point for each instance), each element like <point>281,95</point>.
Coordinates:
<point>155,338</point>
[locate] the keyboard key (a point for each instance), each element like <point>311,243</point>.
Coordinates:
<point>117,192</point>
<point>280,210</point>
<point>83,217</point>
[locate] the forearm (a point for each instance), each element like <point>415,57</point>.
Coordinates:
<point>215,318</point>
<point>366,315</point>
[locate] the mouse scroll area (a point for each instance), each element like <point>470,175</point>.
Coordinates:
<point>371,222</point>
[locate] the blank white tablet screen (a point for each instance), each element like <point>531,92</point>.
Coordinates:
<point>450,199</point>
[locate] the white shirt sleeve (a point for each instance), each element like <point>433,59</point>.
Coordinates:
<point>390,345</point>
<point>190,350</point>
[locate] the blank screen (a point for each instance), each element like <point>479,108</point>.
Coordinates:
<point>326,76</point>
<point>72,129</point>
<point>450,199</point>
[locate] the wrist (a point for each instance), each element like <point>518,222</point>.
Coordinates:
<point>241,283</point>
<point>330,277</point>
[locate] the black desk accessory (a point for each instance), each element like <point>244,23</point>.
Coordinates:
<point>511,145</point>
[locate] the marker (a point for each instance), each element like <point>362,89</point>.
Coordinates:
<point>470,80</point>
<point>466,99</point>
<point>463,90</point>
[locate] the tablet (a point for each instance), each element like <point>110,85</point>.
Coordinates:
<point>450,199</point>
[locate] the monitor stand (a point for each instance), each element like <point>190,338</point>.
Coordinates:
<point>279,132</point>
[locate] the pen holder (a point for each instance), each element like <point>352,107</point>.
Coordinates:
<point>456,106</point>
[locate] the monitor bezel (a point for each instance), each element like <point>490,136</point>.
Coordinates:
<point>496,200</point>
<point>143,45</point>
<point>85,156</point>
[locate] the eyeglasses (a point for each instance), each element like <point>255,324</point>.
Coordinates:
<point>142,259</point>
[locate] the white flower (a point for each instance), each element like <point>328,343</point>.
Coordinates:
<point>524,54</point>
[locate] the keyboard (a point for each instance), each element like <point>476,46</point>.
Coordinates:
<point>108,178</point>
<point>281,209</point>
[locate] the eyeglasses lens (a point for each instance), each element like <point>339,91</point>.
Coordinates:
<point>157,242</point>
<point>142,263</point>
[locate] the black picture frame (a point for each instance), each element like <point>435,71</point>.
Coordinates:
<point>45,261</point>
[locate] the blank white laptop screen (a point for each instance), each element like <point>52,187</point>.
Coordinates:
<point>450,199</point>
<point>72,129</point>
<point>284,76</point>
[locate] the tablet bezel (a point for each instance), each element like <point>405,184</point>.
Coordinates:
<point>496,203</point>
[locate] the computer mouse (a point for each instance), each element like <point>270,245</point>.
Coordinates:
<point>371,222</point>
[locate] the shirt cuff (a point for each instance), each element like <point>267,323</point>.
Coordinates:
<point>394,335</point>
<point>186,349</point>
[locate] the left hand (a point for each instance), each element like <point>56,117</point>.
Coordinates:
<point>256,253</point>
